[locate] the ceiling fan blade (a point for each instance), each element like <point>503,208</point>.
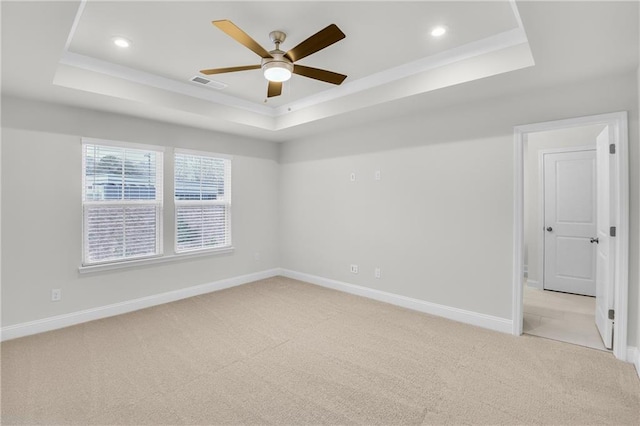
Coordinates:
<point>230,69</point>
<point>318,74</point>
<point>274,89</point>
<point>318,41</point>
<point>241,37</point>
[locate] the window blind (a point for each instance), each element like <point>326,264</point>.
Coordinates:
<point>202,202</point>
<point>122,203</point>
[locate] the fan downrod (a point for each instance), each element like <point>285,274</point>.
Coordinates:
<point>277,37</point>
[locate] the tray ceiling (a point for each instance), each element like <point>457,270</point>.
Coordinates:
<point>62,52</point>
<point>387,45</point>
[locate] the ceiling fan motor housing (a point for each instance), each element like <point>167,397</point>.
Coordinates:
<point>278,60</point>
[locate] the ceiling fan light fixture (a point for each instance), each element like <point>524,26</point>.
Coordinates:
<point>277,71</point>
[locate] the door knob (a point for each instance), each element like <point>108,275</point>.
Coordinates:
<point>594,240</point>
<point>549,229</point>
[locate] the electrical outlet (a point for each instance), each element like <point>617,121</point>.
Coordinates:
<point>377,175</point>
<point>376,272</point>
<point>256,256</point>
<point>56,295</point>
<point>354,269</point>
<point>353,177</point>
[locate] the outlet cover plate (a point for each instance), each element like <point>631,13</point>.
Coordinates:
<point>56,295</point>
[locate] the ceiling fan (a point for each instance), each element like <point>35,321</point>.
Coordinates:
<point>277,65</point>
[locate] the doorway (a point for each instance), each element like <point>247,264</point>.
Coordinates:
<point>586,252</point>
<point>561,316</point>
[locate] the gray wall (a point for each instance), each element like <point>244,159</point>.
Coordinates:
<point>565,138</point>
<point>41,210</point>
<point>440,222</point>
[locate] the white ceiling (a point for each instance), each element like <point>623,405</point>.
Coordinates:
<point>176,40</point>
<point>62,52</point>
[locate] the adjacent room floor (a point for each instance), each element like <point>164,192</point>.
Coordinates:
<point>280,351</point>
<point>561,316</point>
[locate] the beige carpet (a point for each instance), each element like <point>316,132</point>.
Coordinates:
<point>280,351</point>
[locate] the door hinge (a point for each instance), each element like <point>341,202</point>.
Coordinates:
<point>612,148</point>
<point>612,231</point>
<point>612,314</point>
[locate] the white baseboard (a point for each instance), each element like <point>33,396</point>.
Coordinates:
<point>633,356</point>
<point>66,320</point>
<point>469,317</point>
<point>534,284</point>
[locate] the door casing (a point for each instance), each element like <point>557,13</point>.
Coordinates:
<point>620,216</point>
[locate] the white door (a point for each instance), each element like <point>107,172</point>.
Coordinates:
<point>570,222</point>
<point>605,255</point>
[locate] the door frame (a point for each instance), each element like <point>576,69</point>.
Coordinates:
<point>620,197</point>
<point>541,205</point>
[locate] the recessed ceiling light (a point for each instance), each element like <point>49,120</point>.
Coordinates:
<point>121,42</point>
<point>438,31</point>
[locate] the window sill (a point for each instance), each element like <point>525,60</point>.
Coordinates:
<point>152,260</point>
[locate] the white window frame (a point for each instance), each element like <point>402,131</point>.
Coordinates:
<point>227,203</point>
<point>158,203</point>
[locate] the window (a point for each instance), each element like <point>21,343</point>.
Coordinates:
<point>202,201</point>
<point>121,202</point>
